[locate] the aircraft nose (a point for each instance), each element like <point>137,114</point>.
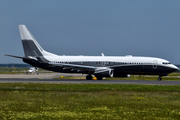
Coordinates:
<point>175,68</point>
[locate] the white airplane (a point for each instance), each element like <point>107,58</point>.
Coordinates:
<point>99,66</point>
<point>32,70</point>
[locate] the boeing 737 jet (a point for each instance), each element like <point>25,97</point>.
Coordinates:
<point>99,66</point>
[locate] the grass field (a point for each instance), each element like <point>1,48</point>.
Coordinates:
<point>88,101</point>
<point>9,70</point>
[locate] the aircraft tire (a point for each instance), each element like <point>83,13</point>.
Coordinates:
<point>99,78</point>
<point>159,78</point>
<point>88,77</point>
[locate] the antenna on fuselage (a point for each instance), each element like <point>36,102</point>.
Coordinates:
<point>102,54</point>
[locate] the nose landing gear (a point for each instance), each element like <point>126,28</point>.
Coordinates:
<point>159,78</point>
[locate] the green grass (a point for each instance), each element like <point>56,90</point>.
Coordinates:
<point>88,101</point>
<point>9,70</point>
<point>174,74</point>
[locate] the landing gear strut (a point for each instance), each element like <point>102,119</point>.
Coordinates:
<point>89,77</point>
<point>159,78</point>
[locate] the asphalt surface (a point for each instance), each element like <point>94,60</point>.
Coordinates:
<point>44,80</point>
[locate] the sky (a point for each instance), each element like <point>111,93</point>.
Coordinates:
<point>90,27</point>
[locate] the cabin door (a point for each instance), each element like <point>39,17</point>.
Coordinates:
<point>103,63</point>
<point>155,64</point>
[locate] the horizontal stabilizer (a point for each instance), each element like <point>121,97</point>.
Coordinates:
<point>18,57</point>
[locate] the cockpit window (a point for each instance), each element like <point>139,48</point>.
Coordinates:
<point>166,63</point>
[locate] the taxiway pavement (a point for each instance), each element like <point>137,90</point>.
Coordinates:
<point>48,78</point>
<point>36,80</point>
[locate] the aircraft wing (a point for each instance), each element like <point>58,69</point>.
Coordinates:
<point>76,67</point>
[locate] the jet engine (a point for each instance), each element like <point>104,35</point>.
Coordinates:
<point>103,72</point>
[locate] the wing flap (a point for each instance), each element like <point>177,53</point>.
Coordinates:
<point>78,67</point>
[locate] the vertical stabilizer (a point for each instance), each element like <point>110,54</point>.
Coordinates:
<point>30,45</point>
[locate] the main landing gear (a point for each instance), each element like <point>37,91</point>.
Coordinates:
<point>89,77</point>
<point>159,78</point>
<point>99,78</point>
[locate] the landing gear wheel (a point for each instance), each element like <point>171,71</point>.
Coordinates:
<point>99,78</point>
<point>159,78</point>
<point>88,77</point>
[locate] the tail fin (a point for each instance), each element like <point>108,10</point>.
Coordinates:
<point>30,45</point>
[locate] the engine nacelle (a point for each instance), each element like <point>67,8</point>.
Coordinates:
<point>103,72</point>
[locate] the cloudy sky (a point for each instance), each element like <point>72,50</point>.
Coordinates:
<point>91,27</point>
